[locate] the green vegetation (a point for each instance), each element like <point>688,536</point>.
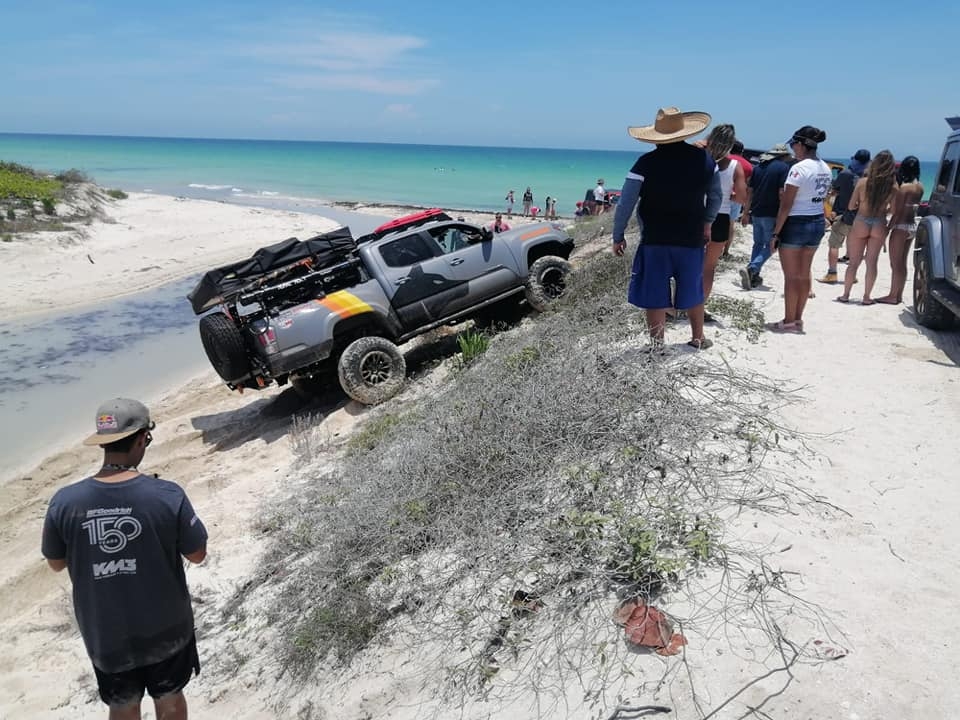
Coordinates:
<point>117,194</point>
<point>21,183</point>
<point>29,199</point>
<point>472,345</point>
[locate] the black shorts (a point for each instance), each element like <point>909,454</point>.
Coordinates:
<point>166,677</point>
<point>720,230</point>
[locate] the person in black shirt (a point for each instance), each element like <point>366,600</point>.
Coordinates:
<point>842,191</point>
<point>766,184</point>
<point>668,186</point>
<point>122,536</point>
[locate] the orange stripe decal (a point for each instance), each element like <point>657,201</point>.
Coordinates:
<point>345,304</point>
<point>535,233</point>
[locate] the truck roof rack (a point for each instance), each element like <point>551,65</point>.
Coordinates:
<point>406,221</point>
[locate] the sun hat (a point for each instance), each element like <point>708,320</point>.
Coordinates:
<point>119,418</point>
<point>777,150</point>
<point>671,126</point>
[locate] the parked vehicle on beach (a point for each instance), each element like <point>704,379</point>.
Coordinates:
<point>936,255</point>
<point>334,306</point>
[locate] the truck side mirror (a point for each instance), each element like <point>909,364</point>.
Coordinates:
<point>487,234</point>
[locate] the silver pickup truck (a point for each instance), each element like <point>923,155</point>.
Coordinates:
<point>936,256</point>
<point>332,305</point>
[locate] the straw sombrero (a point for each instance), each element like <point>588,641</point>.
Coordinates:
<point>671,126</point>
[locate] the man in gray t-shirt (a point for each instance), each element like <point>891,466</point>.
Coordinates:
<point>123,535</point>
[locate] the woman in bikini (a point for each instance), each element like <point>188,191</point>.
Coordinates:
<point>872,198</point>
<point>904,222</point>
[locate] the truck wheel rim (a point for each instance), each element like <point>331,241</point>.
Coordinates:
<point>553,283</point>
<point>376,368</point>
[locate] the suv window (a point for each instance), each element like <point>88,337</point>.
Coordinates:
<point>405,251</point>
<point>455,237</point>
<point>947,167</point>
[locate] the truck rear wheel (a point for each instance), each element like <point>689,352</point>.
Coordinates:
<point>372,370</point>
<point>926,309</point>
<point>224,346</point>
<point>546,281</point>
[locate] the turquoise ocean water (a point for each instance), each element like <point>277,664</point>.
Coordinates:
<point>278,173</point>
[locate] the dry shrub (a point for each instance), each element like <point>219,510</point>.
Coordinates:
<point>499,522</point>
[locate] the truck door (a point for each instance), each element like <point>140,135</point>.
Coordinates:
<point>952,261</point>
<point>945,202</point>
<point>486,265</point>
<point>419,280</point>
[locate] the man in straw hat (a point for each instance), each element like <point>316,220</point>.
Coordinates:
<point>668,186</point>
<point>121,535</point>
<point>766,183</point>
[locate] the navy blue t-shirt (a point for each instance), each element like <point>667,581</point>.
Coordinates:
<point>766,183</point>
<point>123,544</point>
<point>844,184</point>
<point>675,177</point>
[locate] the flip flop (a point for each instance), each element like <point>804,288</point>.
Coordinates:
<point>701,344</point>
<point>785,327</point>
<point>868,302</point>
<point>842,299</point>
<point>884,301</point>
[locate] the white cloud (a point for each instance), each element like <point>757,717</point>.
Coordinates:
<point>355,81</point>
<point>341,57</point>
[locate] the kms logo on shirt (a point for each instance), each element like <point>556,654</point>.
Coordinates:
<point>111,529</point>
<point>822,185</point>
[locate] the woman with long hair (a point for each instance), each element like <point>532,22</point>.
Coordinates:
<point>733,186</point>
<point>800,224</point>
<point>872,198</point>
<point>903,220</point>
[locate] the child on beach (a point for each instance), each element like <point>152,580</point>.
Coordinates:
<point>509,199</point>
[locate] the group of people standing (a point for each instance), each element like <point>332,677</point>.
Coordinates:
<point>686,196</point>
<point>529,209</point>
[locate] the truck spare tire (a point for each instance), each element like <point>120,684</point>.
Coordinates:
<point>223,344</point>
<point>372,370</point>
<point>546,281</point>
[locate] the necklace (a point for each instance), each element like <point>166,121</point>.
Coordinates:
<point>118,468</point>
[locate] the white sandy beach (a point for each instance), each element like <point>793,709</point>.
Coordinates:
<point>880,403</point>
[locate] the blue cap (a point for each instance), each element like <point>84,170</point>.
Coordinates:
<point>861,155</point>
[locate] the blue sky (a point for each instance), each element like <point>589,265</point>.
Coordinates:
<point>557,74</point>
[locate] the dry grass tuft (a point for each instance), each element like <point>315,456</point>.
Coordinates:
<point>500,522</point>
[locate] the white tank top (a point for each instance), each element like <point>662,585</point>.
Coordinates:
<point>726,186</point>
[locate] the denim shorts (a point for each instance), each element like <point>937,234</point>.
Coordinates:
<point>803,231</point>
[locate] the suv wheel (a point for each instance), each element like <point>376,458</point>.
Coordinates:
<point>926,309</point>
<point>372,370</point>
<point>546,281</point>
<point>224,346</point>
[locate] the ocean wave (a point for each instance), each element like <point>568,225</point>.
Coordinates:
<point>236,190</point>
<point>202,186</point>
<point>269,193</point>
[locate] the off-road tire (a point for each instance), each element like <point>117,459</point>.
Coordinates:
<point>546,281</point>
<point>224,346</point>
<point>372,370</point>
<point>926,309</point>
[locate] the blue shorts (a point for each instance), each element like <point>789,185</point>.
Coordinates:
<point>653,268</point>
<point>803,231</point>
